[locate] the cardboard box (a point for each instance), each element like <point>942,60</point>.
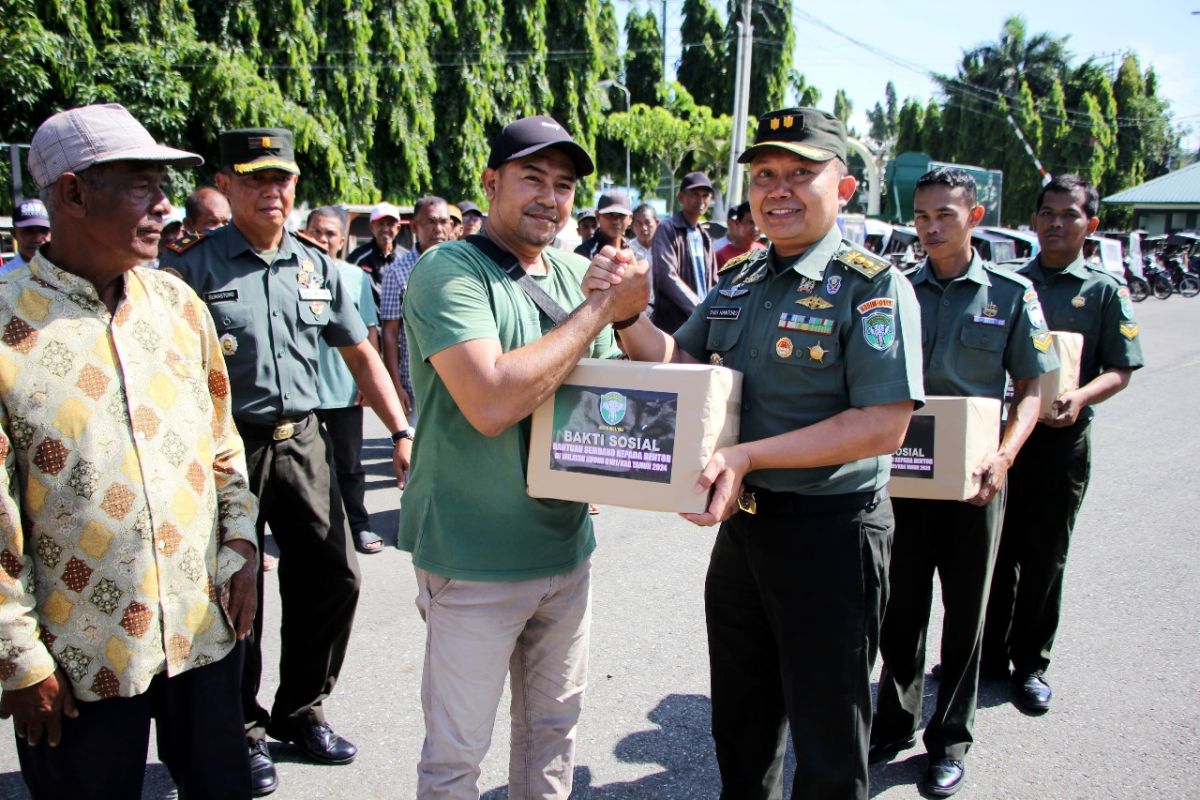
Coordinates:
<point>1069,349</point>
<point>945,442</point>
<point>633,434</point>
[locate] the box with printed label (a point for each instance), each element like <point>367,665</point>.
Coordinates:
<point>1069,349</point>
<point>946,440</point>
<point>633,434</point>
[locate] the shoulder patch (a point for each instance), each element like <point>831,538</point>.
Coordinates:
<point>186,242</point>
<point>741,258</point>
<point>869,265</point>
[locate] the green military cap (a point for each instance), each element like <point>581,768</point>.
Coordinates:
<point>254,149</point>
<point>807,132</point>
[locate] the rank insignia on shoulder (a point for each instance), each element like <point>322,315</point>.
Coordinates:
<point>185,242</point>
<point>866,264</point>
<point>753,254</point>
<point>1129,330</point>
<point>1042,341</point>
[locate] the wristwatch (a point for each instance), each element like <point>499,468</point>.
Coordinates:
<point>403,433</point>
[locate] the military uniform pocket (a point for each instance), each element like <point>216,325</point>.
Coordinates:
<point>722,336</point>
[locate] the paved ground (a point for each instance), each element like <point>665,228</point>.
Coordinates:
<point>1125,720</point>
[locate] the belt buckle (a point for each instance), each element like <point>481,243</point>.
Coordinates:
<point>284,431</point>
<point>747,503</point>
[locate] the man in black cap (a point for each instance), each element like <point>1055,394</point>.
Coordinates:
<point>503,578</point>
<point>827,336</point>
<point>743,234</point>
<point>274,297</point>
<point>613,214</point>
<point>31,230</point>
<point>472,218</point>
<point>586,224</point>
<point>684,265</point>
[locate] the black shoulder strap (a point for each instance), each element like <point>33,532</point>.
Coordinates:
<point>508,262</point>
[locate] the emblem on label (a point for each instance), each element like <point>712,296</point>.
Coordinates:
<point>734,291</point>
<point>1129,330</point>
<point>877,302</point>
<point>991,310</point>
<point>1079,301</point>
<point>833,285</point>
<point>817,353</point>
<point>815,303</point>
<point>783,347</point>
<point>879,329</point>
<point>612,407</point>
<point>1042,341</point>
<point>806,285</point>
<point>799,322</point>
<point>229,344</point>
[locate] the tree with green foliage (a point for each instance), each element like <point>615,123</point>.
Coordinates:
<point>803,93</point>
<point>843,107</point>
<point>774,41</point>
<point>705,69</point>
<point>643,57</point>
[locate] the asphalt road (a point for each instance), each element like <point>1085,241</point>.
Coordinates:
<point>1126,716</point>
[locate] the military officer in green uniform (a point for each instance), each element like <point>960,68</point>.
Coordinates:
<point>827,337</point>
<point>1049,478</point>
<point>273,297</point>
<point>979,324</point>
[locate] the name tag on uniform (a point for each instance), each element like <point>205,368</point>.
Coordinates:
<point>222,296</point>
<point>307,293</point>
<point>982,320</point>
<point>724,312</point>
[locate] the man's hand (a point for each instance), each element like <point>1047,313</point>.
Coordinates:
<point>607,269</point>
<point>991,473</point>
<point>401,458</point>
<point>723,474</point>
<point>239,595</point>
<point>627,293</point>
<point>1066,410</point>
<point>37,710</point>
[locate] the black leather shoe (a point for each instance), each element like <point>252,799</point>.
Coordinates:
<point>883,751</point>
<point>944,777</point>
<point>1032,692</point>
<point>321,744</point>
<point>263,779</point>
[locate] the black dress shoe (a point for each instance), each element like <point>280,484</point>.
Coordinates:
<point>1032,692</point>
<point>883,751</point>
<point>944,777</point>
<point>320,743</point>
<point>263,779</point>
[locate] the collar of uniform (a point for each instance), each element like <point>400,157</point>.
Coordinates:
<point>1076,269</point>
<point>236,244</point>
<point>811,263</point>
<point>80,289</point>
<point>975,272</point>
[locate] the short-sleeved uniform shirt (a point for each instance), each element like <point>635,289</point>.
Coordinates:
<point>1090,301</point>
<point>977,327</point>
<point>335,384</point>
<point>269,317</point>
<point>834,329</point>
<point>466,513</point>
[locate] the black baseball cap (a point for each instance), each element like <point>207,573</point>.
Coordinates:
<point>467,207</point>
<point>31,213</point>
<point>696,180</point>
<point>740,211</point>
<point>249,150</point>
<point>530,135</point>
<point>614,202</point>
<point>586,213</point>
<point>807,132</point>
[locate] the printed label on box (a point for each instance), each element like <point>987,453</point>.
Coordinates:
<point>620,434</point>
<point>914,459</point>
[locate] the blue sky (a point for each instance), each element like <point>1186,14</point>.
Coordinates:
<point>930,35</point>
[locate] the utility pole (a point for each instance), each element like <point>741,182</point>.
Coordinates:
<point>1021,136</point>
<point>664,38</point>
<point>741,104</point>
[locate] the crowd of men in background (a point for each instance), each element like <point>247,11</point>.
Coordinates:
<point>263,373</point>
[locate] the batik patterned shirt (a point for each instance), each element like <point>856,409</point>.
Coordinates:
<point>123,477</point>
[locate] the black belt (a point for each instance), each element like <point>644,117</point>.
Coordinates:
<point>777,504</point>
<point>281,431</point>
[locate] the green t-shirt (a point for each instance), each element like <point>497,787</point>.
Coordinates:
<point>465,513</point>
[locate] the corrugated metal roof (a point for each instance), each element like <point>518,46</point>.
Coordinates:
<point>1181,186</point>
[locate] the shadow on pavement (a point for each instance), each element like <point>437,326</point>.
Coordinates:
<point>157,785</point>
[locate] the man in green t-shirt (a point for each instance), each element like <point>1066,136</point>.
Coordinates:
<point>503,579</point>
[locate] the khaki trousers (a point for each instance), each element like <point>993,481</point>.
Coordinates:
<point>536,631</point>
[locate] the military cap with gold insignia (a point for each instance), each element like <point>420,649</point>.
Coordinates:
<point>254,149</point>
<point>807,132</point>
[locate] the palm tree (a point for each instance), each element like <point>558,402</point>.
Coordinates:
<point>1000,65</point>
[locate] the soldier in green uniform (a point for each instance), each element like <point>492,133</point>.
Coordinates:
<point>979,323</point>
<point>827,337</point>
<point>1050,476</point>
<point>273,297</point>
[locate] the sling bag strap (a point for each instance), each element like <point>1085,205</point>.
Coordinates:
<point>508,262</point>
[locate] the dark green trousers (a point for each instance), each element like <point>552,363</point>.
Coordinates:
<point>318,577</point>
<point>1046,488</point>
<point>958,540</point>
